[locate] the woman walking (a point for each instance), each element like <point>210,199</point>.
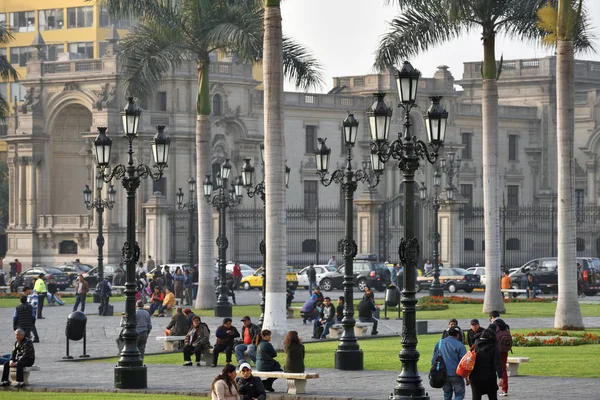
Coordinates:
<point>487,367</point>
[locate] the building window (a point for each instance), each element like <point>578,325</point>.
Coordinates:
<point>85,48</point>
<point>17,90</point>
<point>2,18</point>
<point>513,141</point>
<point>52,51</point>
<point>513,244</point>
<point>579,204</point>
<point>4,90</point>
<point>105,21</point>
<point>49,20</point>
<point>311,198</point>
<point>22,21</point>
<point>466,142</point>
<point>102,48</point>
<point>216,105</point>
<point>580,244</point>
<point>80,17</point>
<point>311,139</point>
<point>3,52</point>
<point>466,191</point>
<point>20,55</point>
<point>161,101</point>
<point>512,196</point>
<point>309,246</point>
<point>160,186</point>
<point>469,245</point>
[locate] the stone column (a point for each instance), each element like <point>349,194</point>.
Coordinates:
<point>22,193</point>
<point>12,207</point>
<point>158,232</point>
<point>591,181</point>
<point>367,221</point>
<point>451,235</point>
<point>32,194</point>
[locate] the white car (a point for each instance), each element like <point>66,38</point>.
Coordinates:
<point>478,271</point>
<point>246,269</point>
<point>321,270</point>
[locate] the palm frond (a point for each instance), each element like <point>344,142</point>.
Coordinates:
<point>416,30</point>
<point>4,108</point>
<point>7,72</point>
<point>300,66</point>
<point>6,35</point>
<point>148,53</point>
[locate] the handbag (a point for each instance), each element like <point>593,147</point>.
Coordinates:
<point>467,363</point>
<point>437,373</point>
<point>275,362</point>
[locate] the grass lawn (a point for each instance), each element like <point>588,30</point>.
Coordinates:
<point>10,302</point>
<point>382,354</point>
<point>18,395</point>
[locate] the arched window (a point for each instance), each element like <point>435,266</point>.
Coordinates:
<point>217,105</point>
<point>580,243</point>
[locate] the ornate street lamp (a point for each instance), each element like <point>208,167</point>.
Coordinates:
<point>348,355</point>
<point>259,190</point>
<point>99,204</point>
<point>222,200</point>
<point>408,150</point>
<point>130,372</point>
<point>191,207</point>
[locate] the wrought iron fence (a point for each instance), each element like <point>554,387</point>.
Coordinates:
<point>178,221</point>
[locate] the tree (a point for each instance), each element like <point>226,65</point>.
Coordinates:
<point>172,32</point>
<point>562,25</point>
<point>7,72</point>
<point>424,24</point>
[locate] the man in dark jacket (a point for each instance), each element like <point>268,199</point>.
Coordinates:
<point>365,313</point>
<point>498,324</point>
<point>474,333</point>
<point>24,317</point>
<point>326,319</point>
<point>105,289</point>
<point>249,332</point>
<point>451,324</point>
<point>339,311</point>
<point>312,277</point>
<point>250,387</point>
<point>226,335</point>
<point>197,341</point>
<point>179,325</point>
<point>23,355</point>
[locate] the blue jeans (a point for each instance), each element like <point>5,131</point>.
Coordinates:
<point>454,384</point>
<point>79,299</point>
<point>534,291</point>
<point>154,307</point>
<point>248,348</point>
<point>53,299</point>
<point>194,290</point>
<point>311,286</point>
<point>326,327</point>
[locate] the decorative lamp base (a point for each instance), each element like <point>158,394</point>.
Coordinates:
<point>438,292</point>
<point>131,377</point>
<point>349,360</point>
<point>223,310</point>
<point>398,395</point>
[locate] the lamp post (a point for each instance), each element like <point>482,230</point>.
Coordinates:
<point>191,207</point>
<point>259,190</point>
<point>348,355</point>
<point>222,200</point>
<point>408,150</point>
<point>99,204</point>
<point>451,169</point>
<point>130,372</point>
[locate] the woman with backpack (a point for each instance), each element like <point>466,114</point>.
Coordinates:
<point>487,367</point>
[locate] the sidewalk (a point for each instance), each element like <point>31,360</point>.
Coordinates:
<point>56,374</point>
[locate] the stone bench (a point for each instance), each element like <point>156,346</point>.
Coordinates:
<point>360,329</point>
<point>514,292</point>
<point>5,289</point>
<point>26,371</point>
<point>513,363</point>
<point>296,381</point>
<point>170,342</point>
<point>118,290</point>
<point>290,311</point>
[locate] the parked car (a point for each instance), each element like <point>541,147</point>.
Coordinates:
<point>254,281</point>
<point>73,270</point>
<point>92,275</point>
<point>61,279</point>
<point>246,269</point>
<point>545,270</point>
<point>321,270</point>
<point>479,270</point>
<point>452,280</point>
<point>172,269</point>
<point>366,273</point>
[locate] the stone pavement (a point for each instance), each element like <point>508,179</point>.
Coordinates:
<point>56,374</point>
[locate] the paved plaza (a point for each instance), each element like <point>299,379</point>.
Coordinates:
<point>56,374</point>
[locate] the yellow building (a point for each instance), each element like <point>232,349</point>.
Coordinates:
<point>76,27</point>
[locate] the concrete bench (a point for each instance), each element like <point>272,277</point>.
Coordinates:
<point>290,311</point>
<point>5,289</point>
<point>118,290</point>
<point>514,292</point>
<point>296,381</point>
<point>360,329</point>
<point>512,365</point>
<point>26,371</point>
<point>170,342</point>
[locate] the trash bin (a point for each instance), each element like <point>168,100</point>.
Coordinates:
<point>392,299</point>
<point>75,330</point>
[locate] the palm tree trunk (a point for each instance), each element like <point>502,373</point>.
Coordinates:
<point>568,314</point>
<point>493,295</point>
<point>206,273</point>
<point>276,239</point>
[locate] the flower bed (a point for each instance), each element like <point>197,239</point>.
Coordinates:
<point>532,339</point>
<point>536,300</point>
<point>450,300</point>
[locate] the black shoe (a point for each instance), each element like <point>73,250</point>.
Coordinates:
<point>20,384</point>
<point>374,333</point>
<point>314,337</point>
<point>187,364</point>
<point>5,383</point>
<point>198,364</point>
<point>41,317</point>
<point>36,340</point>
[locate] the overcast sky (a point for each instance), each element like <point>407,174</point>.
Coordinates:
<point>343,35</point>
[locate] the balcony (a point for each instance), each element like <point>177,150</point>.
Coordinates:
<point>68,222</point>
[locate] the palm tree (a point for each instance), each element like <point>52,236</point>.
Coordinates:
<point>424,24</point>
<point>7,72</point>
<point>172,32</point>
<point>563,25</point>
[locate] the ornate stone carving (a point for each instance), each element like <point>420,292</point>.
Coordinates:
<point>31,101</point>
<point>71,86</point>
<point>578,170</point>
<point>105,96</point>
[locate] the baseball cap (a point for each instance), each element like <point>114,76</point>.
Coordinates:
<point>453,331</point>
<point>244,365</point>
<point>475,322</point>
<point>246,318</point>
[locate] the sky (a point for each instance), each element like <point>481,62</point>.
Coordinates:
<point>343,35</point>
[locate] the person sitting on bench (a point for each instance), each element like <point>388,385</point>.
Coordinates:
<point>197,341</point>
<point>366,307</point>
<point>156,300</point>
<point>23,355</point>
<point>168,302</point>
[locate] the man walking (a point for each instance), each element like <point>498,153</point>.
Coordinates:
<point>150,264</point>
<point>143,327</point>
<point>452,350</point>
<point>312,277</point>
<point>40,289</point>
<point>237,276</point>
<point>32,300</point>
<point>105,290</point>
<point>504,342</point>
<point>81,290</point>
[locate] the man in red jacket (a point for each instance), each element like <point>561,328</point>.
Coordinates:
<point>237,276</point>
